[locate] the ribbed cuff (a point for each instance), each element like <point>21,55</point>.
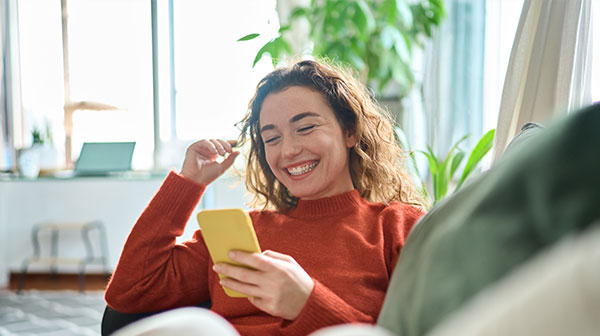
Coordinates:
<point>322,309</point>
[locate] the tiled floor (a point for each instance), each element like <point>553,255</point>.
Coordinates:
<point>51,313</point>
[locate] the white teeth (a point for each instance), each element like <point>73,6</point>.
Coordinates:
<point>302,169</point>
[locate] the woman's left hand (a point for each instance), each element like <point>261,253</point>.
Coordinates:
<point>278,285</point>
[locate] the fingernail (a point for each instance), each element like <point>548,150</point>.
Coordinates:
<point>231,254</point>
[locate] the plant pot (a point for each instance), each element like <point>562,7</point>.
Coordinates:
<point>29,162</point>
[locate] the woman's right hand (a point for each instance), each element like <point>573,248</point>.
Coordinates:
<point>200,164</point>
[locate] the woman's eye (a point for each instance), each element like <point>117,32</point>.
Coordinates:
<point>306,128</point>
<point>271,139</point>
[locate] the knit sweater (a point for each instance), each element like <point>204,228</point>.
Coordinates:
<point>347,245</point>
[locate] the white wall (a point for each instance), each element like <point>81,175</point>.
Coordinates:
<point>116,202</point>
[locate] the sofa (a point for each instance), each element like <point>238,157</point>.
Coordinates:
<point>544,190</point>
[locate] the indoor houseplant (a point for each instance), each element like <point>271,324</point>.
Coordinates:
<point>377,37</point>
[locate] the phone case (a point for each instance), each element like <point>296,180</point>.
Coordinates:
<point>225,230</point>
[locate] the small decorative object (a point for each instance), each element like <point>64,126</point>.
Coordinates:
<point>41,157</point>
<point>29,162</point>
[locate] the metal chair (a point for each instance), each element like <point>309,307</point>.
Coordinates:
<point>54,260</point>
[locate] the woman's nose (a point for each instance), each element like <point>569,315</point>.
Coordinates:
<point>290,148</point>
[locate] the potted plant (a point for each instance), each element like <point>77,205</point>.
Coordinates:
<point>41,157</point>
<point>377,37</point>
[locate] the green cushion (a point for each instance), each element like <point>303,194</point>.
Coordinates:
<point>542,191</point>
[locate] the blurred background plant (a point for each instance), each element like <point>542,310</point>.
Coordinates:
<point>376,37</point>
<point>39,137</point>
<point>442,170</point>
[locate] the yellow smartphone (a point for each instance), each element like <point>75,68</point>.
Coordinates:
<point>225,230</point>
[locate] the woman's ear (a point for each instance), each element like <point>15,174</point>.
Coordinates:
<point>350,138</point>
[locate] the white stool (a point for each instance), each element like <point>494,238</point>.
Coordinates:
<point>53,260</point>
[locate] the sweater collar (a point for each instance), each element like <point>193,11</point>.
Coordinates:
<point>326,206</point>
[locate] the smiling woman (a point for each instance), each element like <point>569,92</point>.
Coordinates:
<point>323,156</point>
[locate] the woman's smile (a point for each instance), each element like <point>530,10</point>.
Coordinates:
<point>302,169</point>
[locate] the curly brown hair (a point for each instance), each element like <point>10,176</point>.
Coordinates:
<point>376,160</point>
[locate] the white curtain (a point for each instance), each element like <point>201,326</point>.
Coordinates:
<point>3,40</point>
<point>448,105</point>
<point>549,72</point>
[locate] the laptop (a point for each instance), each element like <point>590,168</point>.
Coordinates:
<point>103,158</point>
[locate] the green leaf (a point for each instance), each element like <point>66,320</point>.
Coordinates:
<point>483,146</point>
<point>276,47</point>
<point>404,13</point>
<point>264,49</point>
<point>299,12</point>
<point>284,28</point>
<point>441,184</point>
<point>364,19</point>
<point>282,46</point>
<point>444,171</point>
<point>432,160</point>
<point>387,10</point>
<point>456,162</point>
<point>248,37</point>
<point>401,47</point>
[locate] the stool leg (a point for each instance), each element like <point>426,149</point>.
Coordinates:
<point>89,256</point>
<point>104,248</point>
<point>36,254</point>
<point>24,267</point>
<point>54,254</point>
<point>82,277</point>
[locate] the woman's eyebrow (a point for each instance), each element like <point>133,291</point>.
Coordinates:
<point>267,127</point>
<point>294,119</point>
<point>300,116</point>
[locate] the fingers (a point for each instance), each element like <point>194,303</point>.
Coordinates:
<point>238,272</point>
<point>241,287</point>
<point>221,146</point>
<point>258,261</point>
<point>240,279</point>
<point>213,146</point>
<point>229,160</point>
<point>277,255</point>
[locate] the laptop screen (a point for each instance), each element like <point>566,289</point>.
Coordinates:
<point>101,158</point>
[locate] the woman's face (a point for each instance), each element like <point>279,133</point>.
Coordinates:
<point>305,145</point>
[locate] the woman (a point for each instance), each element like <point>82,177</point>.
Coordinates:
<point>336,210</point>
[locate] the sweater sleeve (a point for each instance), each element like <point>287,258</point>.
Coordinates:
<point>155,273</point>
<point>324,308</point>
<point>398,222</point>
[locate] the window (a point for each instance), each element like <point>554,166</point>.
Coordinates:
<point>213,76</point>
<point>205,76</point>
<point>110,59</point>
<point>109,63</point>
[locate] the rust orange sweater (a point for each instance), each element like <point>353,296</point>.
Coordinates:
<point>346,244</point>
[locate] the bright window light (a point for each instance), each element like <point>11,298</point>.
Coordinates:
<point>214,78</point>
